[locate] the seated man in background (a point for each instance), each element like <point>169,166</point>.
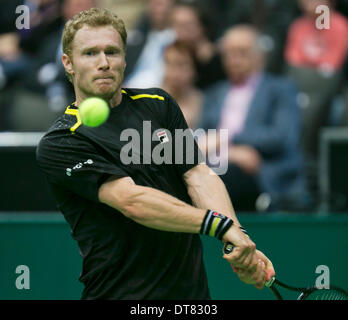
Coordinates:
<point>263,122</point>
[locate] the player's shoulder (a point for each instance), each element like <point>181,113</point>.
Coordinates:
<point>149,94</point>
<point>62,131</point>
<point>68,119</point>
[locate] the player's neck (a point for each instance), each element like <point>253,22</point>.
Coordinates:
<point>116,99</point>
<point>113,102</point>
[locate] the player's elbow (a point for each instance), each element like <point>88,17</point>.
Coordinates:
<point>124,199</point>
<point>128,206</point>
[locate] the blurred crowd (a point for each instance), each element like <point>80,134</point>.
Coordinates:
<point>266,70</point>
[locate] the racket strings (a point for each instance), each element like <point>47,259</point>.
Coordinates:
<point>327,294</point>
<point>311,293</point>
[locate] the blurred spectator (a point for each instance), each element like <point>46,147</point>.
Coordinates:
<point>309,46</point>
<point>19,48</point>
<point>145,46</point>
<point>13,65</point>
<point>315,59</point>
<point>179,77</point>
<point>13,62</point>
<point>263,122</point>
<point>45,18</point>
<point>191,24</point>
<point>18,62</point>
<point>42,88</point>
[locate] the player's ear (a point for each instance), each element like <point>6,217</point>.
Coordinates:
<point>67,63</point>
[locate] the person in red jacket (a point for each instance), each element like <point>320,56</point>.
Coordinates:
<point>314,47</point>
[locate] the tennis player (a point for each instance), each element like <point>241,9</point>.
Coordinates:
<point>137,224</point>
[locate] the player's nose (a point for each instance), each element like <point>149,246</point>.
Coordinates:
<point>103,63</point>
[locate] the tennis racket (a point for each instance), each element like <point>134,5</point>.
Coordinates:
<point>306,293</point>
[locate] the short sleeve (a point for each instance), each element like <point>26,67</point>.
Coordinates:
<point>75,164</point>
<point>183,137</point>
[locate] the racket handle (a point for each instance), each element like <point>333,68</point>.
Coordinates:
<point>228,248</point>
<point>270,282</point>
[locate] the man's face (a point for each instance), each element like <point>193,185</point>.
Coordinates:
<point>98,62</point>
<point>186,25</point>
<point>179,69</point>
<point>158,11</point>
<point>240,58</point>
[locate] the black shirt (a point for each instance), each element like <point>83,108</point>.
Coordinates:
<point>123,259</point>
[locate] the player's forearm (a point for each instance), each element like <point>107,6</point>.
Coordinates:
<point>207,191</point>
<point>159,210</point>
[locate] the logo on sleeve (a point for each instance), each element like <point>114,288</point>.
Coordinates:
<point>69,171</point>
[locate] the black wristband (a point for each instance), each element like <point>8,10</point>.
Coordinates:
<point>215,224</point>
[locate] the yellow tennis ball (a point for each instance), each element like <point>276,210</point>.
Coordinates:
<point>94,111</point>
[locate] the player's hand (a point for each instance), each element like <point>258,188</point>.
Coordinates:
<point>243,254</point>
<point>264,272</point>
<point>256,277</point>
<point>268,265</point>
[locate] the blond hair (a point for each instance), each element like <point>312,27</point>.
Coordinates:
<point>94,17</point>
